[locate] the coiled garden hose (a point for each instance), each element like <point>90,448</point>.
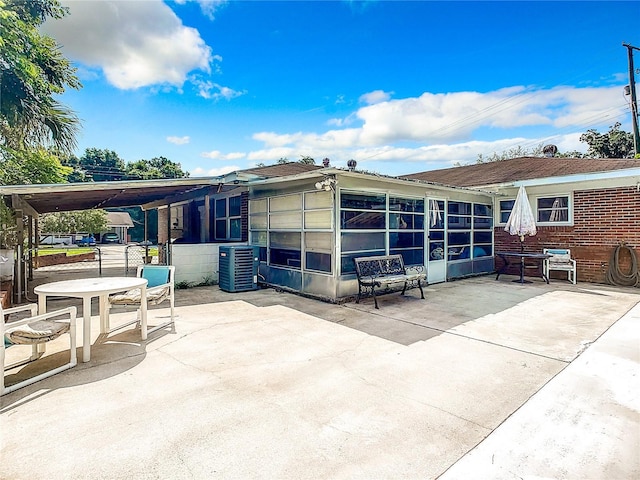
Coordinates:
<point>616,276</point>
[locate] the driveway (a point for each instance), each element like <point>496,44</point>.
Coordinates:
<point>483,379</point>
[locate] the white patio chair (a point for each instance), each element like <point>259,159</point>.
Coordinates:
<point>160,287</point>
<point>35,330</point>
<point>560,260</point>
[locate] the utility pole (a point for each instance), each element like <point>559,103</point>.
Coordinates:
<point>634,101</point>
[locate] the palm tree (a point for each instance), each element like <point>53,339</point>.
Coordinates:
<point>32,70</point>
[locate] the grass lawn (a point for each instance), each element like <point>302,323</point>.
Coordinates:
<point>42,251</point>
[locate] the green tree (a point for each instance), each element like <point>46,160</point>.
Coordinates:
<point>32,71</point>
<point>158,167</point>
<point>615,143</point>
<point>30,166</point>
<point>98,165</point>
<point>515,152</point>
<point>89,221</point>
<point>307,160</point>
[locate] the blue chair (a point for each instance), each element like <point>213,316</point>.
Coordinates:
<point>160,287</point>
<point>35,330</point>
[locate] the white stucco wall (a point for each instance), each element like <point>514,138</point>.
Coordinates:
<point>195,262</point>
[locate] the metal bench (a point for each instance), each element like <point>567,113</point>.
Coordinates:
<point>382,272</point>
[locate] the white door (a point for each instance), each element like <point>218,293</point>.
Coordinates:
<point>436,241</point>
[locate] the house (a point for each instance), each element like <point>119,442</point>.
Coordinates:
<point>587,205</point>
<point>119,223</point>
<point>309,224</point>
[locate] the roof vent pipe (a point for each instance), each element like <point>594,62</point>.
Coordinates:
<point>352,165</point>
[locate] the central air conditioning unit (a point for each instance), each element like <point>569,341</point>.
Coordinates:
<point>238,268</point>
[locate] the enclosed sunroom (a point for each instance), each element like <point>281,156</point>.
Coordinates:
<point>310,227</point>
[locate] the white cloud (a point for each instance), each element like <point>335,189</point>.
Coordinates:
<point>178,140</point>
<point>213,172</point>
<point>217,155</point>
<point>211,90</point>
<point>135,43</point>
<point>436,119</point>
<point>208,7</point>
<point>374,97</point>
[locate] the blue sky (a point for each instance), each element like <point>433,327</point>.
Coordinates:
<point>401,87</point>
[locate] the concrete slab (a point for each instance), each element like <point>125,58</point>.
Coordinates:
<point>272,385</point>
<point>583,424</point>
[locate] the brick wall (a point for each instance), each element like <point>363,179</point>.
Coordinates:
<point>602,220</point>
<point>244,216</point>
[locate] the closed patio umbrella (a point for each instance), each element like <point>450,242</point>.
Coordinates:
<point>521,220</point>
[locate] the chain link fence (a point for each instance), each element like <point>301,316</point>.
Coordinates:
<point>135,255</point>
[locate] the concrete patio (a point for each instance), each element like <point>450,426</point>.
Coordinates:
<point>483,379</point>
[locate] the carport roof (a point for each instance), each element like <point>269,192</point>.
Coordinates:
<point>84,196</point>
<point>64,197</point>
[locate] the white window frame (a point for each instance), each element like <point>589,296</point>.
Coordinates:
<point>567,222</point>
<point>534,208</point>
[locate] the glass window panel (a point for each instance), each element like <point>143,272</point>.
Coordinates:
<point>459,223</point>
<point>459,238</point>
<point>406,221</point>
<point>436,214</point>
<point>285,203</point>
<point>482,210</point>
<point>437,235</point>
<point>485,223</point>
<point>413,256</point>
<point>318,261</point>
<point>481,251</point>
<point>259,238</point>
<point>403,240</point>
<point>458,253</point>
<point>363,202</point>
<point>314,200</point>
<point>285,220</point>
<point>553,209</point>
<point>262,254</point>
<point>285,257</point>
<point>221,207</point>
<point>553,216</point>
<point>362,220</point>
<point>285,240</point>
<point>553,202</point>
<point>235,204</point>
<point>482,237</point>
<point>354,242</point>
<point>459,208</point>
<point>505,209</point>
<point>258,206</point>
<point>346,261</point>
<point>258,221</point>
<point>235,228</point>
<point>436,250</point>
<point>318,241</point>
<point>397,204</point>
<point>221,229</point>
<point>318,219</point>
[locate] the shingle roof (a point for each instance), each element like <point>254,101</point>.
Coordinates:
<point>282,169</point>
<point>523,168</point>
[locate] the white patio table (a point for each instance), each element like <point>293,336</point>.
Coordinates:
<point>86,289</point>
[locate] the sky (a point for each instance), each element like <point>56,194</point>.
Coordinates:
<point>400,87</point>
